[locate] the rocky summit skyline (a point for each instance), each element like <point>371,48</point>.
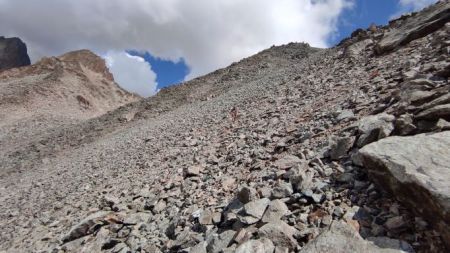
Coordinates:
<point>293,149</point>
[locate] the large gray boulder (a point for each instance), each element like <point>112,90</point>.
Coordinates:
<point>13,53</point>
<point>416,170</point>
<point>342,238</point>
<point>415,27</point>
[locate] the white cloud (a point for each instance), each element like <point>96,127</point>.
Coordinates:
<point>132,73</point>
<point>415,5</point>
<point>207,34</point>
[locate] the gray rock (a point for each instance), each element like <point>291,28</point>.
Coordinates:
<point>301,180</point>
<point>417,170</point>
<point>277,209</point>
<point>340,146</point>
<point>434,113</point>
<point>340,237</point>
<point>375,127</point>
<point>345,114</point>
<point>199,248</point>
<point>87,226</point>
<point>254,211</point>
<point>417,26</point>
<point>282,190</point>
<point>280,233</point>
<point>192,171</point>
<point>247,194</point>
<point>220,241</point>
<point>263,245</point>
<point>287,162</point>
<point>396,222</point>
<point>206,218</point>
<point>385,242</point>
<point>357,48</point>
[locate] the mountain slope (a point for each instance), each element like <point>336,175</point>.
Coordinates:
<point>54,92</point>
<point>261,155</point>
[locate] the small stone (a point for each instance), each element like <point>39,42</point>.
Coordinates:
<point>254,211</point>
<point>282,190</point>
<point>287,162</point>
<point>395,223</point>
<point>318,198</point>
<point>221,241</point>
<point>340,146</point>
<point>192,171</point>
<point>247,194</point>
<point>345,114</point>
<point>263,245</point>
<point>206,218</point>
<point>280,233</point>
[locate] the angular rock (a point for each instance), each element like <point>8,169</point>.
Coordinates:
<point>280,233</point>
<point>301,180</point>
<point>254,211</point>
<point>87,226</point>
<point>220,241</point>
<point>340,237</point>
<point>375,127</point>
<point>340,146</point>
<point>435,113</point>
<point>416,170</point>
<point>287,162</point>
<point>192,171</point>
<point>263,245</point>
<point>277,209</point>
<point>282,190</point>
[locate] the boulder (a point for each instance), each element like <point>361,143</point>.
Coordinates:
<point>416,170</point>
<point>341,237</point>
<point>13,53</point>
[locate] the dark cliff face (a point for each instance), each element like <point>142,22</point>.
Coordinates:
<point>13,53</point>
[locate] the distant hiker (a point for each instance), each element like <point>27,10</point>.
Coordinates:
<point>234,114</point>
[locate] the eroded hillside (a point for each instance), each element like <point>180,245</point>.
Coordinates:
<point>294,149</point>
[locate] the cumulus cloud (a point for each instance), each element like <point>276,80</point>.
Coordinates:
<point>132,73</point>
<point>207,34</point>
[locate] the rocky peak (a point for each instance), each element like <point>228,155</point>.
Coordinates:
<point>89,60</point>
<point>13,53</point>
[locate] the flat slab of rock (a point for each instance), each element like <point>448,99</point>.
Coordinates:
<point>340,237</point>
<point>416,170</point>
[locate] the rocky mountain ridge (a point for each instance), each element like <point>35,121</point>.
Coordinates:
<point>13,53</point>
<point>53,93</point>
<point>295,149</point>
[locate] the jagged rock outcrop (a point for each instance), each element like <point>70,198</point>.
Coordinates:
<point>260,156</point>
<point>13,53</point>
